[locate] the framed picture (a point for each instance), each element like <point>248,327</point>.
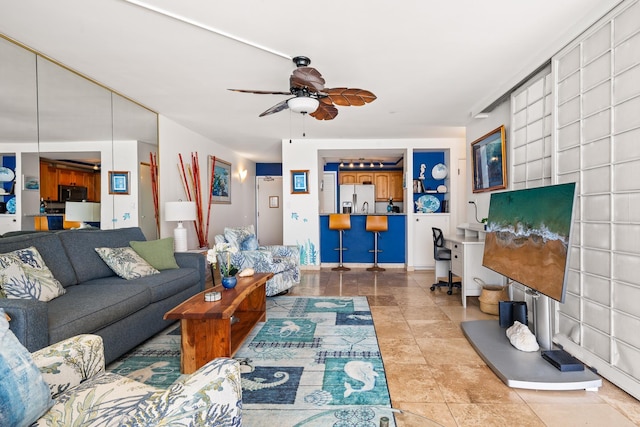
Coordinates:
<point>118,182</point>
<point>300,182</point>
<point>221,190</point>
<point>489,161</point>
<point>274,202</point>
<point>30,182</point>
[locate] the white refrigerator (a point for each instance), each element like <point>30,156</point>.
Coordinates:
<point>361,197</point>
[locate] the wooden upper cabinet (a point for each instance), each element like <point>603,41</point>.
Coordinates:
<point>348,178</point>
<point>388,184</point>
<point>356,177</point>
<point>395,186</point>
<point>364,177</point>
<point>382,186</point>
<point>48,181</point>
<point>51,177</point>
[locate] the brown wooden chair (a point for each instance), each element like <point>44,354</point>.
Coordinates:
<point>376,224</point>
<point>340,222</point>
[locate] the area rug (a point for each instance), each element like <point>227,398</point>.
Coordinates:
<point>315,361</point>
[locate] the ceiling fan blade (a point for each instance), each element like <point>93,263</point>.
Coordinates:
<point>276,108</point>
<point>307,78</point>
<point>325,111</point>
<point>260,92</point>
<point>345,96</point>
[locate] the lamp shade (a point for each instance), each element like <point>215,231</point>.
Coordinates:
<point>180,211</point>
<point>82,211</point>
<point>303,104</point>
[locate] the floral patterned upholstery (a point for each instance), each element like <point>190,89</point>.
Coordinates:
<point>85,395</point>
<point>281,260</point>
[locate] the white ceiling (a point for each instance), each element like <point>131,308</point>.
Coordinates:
<point>431,63</point>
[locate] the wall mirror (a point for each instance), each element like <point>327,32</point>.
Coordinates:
<point>56,114</point>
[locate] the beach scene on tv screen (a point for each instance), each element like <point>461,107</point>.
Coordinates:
<point>528,234</point>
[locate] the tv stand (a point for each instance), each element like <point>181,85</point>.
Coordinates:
<point>521,369</point>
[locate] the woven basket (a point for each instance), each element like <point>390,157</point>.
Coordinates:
<point>490,297</point>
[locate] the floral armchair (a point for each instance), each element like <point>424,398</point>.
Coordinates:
<point>85,395</point>
<point>282,261</point>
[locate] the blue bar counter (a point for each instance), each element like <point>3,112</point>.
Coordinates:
<point>358,241</point>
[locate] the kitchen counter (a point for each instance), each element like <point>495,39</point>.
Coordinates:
<point>377,213</point>
<point>359,242</point>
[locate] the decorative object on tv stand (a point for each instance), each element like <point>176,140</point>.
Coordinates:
<point>83,212</point>
<point>180,211</point>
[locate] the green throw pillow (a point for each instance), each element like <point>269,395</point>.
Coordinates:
<point>24,396</point>
<point>158,253</point>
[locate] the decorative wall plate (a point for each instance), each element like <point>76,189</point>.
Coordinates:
<point>11,205</point>
<point>439,171</point>
<point>427,204</point>
<point>442,189</point>
<point>6,174</point>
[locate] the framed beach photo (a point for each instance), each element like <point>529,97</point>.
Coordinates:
<point>489,161</point>
<point>221,189</point>
<point>300,181</point>
<point>118,182</point>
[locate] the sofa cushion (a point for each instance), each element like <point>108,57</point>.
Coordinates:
<point>236,235</point>
<point>87,308</point>
<point>24,396</point>
<point>105,400</point>
<point>80,246</point>
<point>158,253</point>
<point>164,285</point>
<point>250,243</point>
<point>50,248</point>
<point>24,275</point>
<point>126,262</point>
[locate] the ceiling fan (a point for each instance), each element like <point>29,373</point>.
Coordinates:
<point>310,95</point>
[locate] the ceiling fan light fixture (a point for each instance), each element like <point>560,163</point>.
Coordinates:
<point>303,104</point>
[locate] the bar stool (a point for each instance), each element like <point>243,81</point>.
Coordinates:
<point>376,224</point>
<point>340,222</point>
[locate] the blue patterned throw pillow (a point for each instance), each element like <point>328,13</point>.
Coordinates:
<point>250,243</point>
<point>24,275</point>
<point>126,262</point>
<point>24,396</point>
<point>236,235</point>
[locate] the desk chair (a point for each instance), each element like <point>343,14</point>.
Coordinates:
<point>440,253</point>
<point>340,222</point>
<point>376,224</point>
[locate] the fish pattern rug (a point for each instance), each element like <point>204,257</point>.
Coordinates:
<point>315,360</point>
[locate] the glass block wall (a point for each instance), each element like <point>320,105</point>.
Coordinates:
<point>596,88</point>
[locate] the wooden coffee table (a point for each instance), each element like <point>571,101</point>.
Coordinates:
<point>206,327</point>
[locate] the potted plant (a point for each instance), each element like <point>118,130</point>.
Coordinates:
<point>227,270</point>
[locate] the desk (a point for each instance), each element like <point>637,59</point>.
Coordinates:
<point>466,262</point>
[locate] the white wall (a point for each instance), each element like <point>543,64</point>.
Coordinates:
<point>175,138</point>
<point>301,211</point>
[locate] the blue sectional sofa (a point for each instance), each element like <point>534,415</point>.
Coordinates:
<point>123,312</point>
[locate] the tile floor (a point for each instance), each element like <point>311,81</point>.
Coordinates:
<point>433,371</point>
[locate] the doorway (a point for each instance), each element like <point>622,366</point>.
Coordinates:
<point>269,210</point>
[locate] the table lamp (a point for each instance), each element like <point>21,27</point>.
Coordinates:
<point>180,211</point>
<point>83,212</point>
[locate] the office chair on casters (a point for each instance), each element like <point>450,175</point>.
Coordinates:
<point>440,253</point>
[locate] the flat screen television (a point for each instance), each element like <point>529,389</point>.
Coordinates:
<point>528,237</point>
